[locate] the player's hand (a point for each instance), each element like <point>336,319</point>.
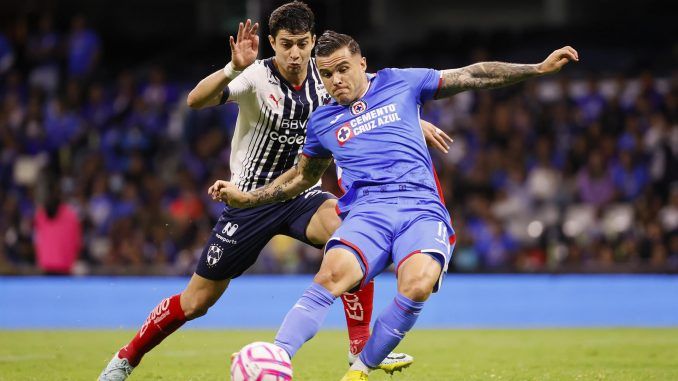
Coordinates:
<point>435,137</point>
<point>227,193</point>
<point>556,60</point>
<point>245,47</point>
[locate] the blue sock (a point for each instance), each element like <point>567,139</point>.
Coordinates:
<point>389,329</point>
<point>304,319</point>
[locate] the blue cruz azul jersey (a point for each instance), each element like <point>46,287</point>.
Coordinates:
<point>377,141</point>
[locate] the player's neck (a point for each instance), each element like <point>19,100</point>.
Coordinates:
<point>363,88</point>
<point>295,80</point>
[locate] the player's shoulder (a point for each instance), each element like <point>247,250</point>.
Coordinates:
<point>257,67</point>
<point>403,72</point>
<point>326,111</point>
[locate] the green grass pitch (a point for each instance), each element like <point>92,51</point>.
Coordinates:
<point>440,355</point>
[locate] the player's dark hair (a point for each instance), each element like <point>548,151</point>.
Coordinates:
<point>332,41</point>
<point>295,17</point>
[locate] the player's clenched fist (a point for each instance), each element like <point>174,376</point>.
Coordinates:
<point>226,192</point>
<point>556,60</point>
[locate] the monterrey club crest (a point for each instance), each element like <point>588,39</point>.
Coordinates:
<point>358,107</point>
<point>344,133</point>
<point>214,255</point>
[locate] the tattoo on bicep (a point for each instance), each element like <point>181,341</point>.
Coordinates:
<point>483,75</point>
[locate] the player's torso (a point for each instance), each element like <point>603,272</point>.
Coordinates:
<point>271,127</point>
<point>378,139</point>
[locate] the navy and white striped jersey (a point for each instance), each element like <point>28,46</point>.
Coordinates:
<point>271,126</point>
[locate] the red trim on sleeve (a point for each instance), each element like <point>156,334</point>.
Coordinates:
<point>440,83</point>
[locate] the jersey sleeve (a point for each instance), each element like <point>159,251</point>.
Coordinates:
<point>241,85</point>
<point>424,82</point>
<point>313,147</point>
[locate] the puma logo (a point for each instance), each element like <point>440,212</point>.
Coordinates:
<point>275,100</point>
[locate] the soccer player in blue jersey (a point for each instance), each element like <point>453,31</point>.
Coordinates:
<point>392,211</point>
<point>275,97</point>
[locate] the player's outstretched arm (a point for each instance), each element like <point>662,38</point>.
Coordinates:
<point>488,75</point>
<point>244,50</point>
<point>435,137</point>
<point>291,183</point>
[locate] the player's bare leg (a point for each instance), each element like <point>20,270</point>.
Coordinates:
<point>358,305</point>
<point>417,277</point>
<point>324,223</point>
<point>170,314</point>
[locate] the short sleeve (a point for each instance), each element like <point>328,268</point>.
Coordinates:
<point>313,147</point>
<point>241,85</point>
<point>424,82</point>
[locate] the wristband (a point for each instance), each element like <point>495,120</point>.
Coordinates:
<point>230,72</point>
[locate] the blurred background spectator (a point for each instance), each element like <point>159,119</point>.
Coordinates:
<point>572,173</point>
<point>57,234</point>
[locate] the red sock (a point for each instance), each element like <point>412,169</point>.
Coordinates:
<point>358,311</point>
<point>165,318</point>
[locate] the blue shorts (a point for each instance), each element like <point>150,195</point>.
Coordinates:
<point>390,230</point>
<point>241,234</point>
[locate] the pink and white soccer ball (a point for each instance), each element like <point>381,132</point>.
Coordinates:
<point>261,361</point>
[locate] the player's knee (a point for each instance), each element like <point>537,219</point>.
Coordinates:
<point>328,278</point>
<point>336,281</point>
<point>417,288</point>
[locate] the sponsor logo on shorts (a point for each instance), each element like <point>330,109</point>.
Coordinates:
<point>226,240</point>
<point>214,255</point>
<point>311,193</point>
<point>229,229</point>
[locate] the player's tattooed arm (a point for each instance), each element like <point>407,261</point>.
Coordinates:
<point>488,75</point>
<point>291,183</point>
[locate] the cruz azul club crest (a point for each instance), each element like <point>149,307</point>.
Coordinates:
<point>344,133</point>
<point>358,107</point>
<point>214,255</point>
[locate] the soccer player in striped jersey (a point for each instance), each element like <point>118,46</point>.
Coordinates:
<point>276,96</point>
<point>392,209</point>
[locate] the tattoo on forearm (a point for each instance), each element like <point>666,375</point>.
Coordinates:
<point>484,75</point>
<point>268,194</point>
<point>291,183</point>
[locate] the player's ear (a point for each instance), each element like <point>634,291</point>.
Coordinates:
<point>363,64</point>
<point>271,40</point>
<point>313,41</point>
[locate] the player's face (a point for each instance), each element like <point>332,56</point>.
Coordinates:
<point>343,75</point>
<point>292,51</point>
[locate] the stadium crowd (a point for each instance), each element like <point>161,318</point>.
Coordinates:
<point>558,175</point>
